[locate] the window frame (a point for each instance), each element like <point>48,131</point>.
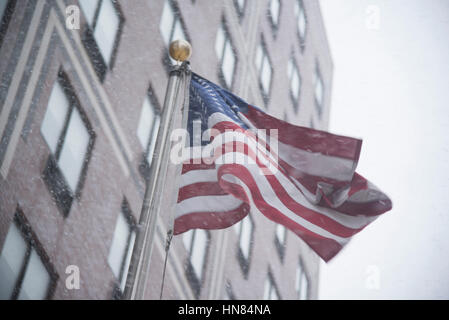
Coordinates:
<point>52,175</point>
<point>274,27</point>
<point>302,275</point>
<point>295,101</point>
<point>32,242</point>
<point>319,106</point>
<point>245,262</point>
<point>166,61</point>
<point>195,282</point>
<point>265,55</point>
<point>240,11</point>
<point>302,39</point>
<point>280,247</point>
<point>90,43</point>
<point>228,292</point>
<point>5,19</point>
<point>312,123</point>
<point>144,166</point>
<point>273,285</point>
<point>117,292</point>
<point>228,41</point>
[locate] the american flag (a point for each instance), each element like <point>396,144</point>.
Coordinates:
<point>301,178</point>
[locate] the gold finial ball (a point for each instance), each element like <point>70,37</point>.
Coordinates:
<point>180,50</point>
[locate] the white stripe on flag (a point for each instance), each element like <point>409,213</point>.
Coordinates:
<point>195,176</point>
<point>353,222</point>
<point>317,164</point>
<point>207,204</point>
<point>273,201</point>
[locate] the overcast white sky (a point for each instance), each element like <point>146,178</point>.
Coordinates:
<point>391,88</point>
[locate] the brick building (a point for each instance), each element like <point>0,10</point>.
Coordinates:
<point>79,109</point>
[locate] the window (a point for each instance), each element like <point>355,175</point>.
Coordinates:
<point>245,230</point>
<point>227,296</point>
<point>122,246</point>
<point>171,28</point>
<point>228,293</point>
<point>196,243</point>
<point>147,130</point>
<point>6,10</point>
<point>264,69</point>
<point>312,124</point>
<point>280,239</point>
<point>70,139</point>
<point>274,13</point>
<point>105,22</point>
<point>226,56</point>
<point>106,29</point>
<point>301,22</point>
<point>270,290</point>
<point>89,8</point>
<point>301,283</point>
<point>295,82</point>
<point>2,8</point>
<point>240,7</point>
<point>24,272</point>
<point>319,91</point>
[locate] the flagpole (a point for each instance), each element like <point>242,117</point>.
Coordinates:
<point>180,51</point>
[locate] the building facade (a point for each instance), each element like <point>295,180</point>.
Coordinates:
<point>82,86</point>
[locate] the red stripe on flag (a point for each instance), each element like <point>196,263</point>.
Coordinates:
<point>210,220</point>
<point>186,167</point>
<point>326,248</point>
<point>200,189</point>
<point>306,138</point>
